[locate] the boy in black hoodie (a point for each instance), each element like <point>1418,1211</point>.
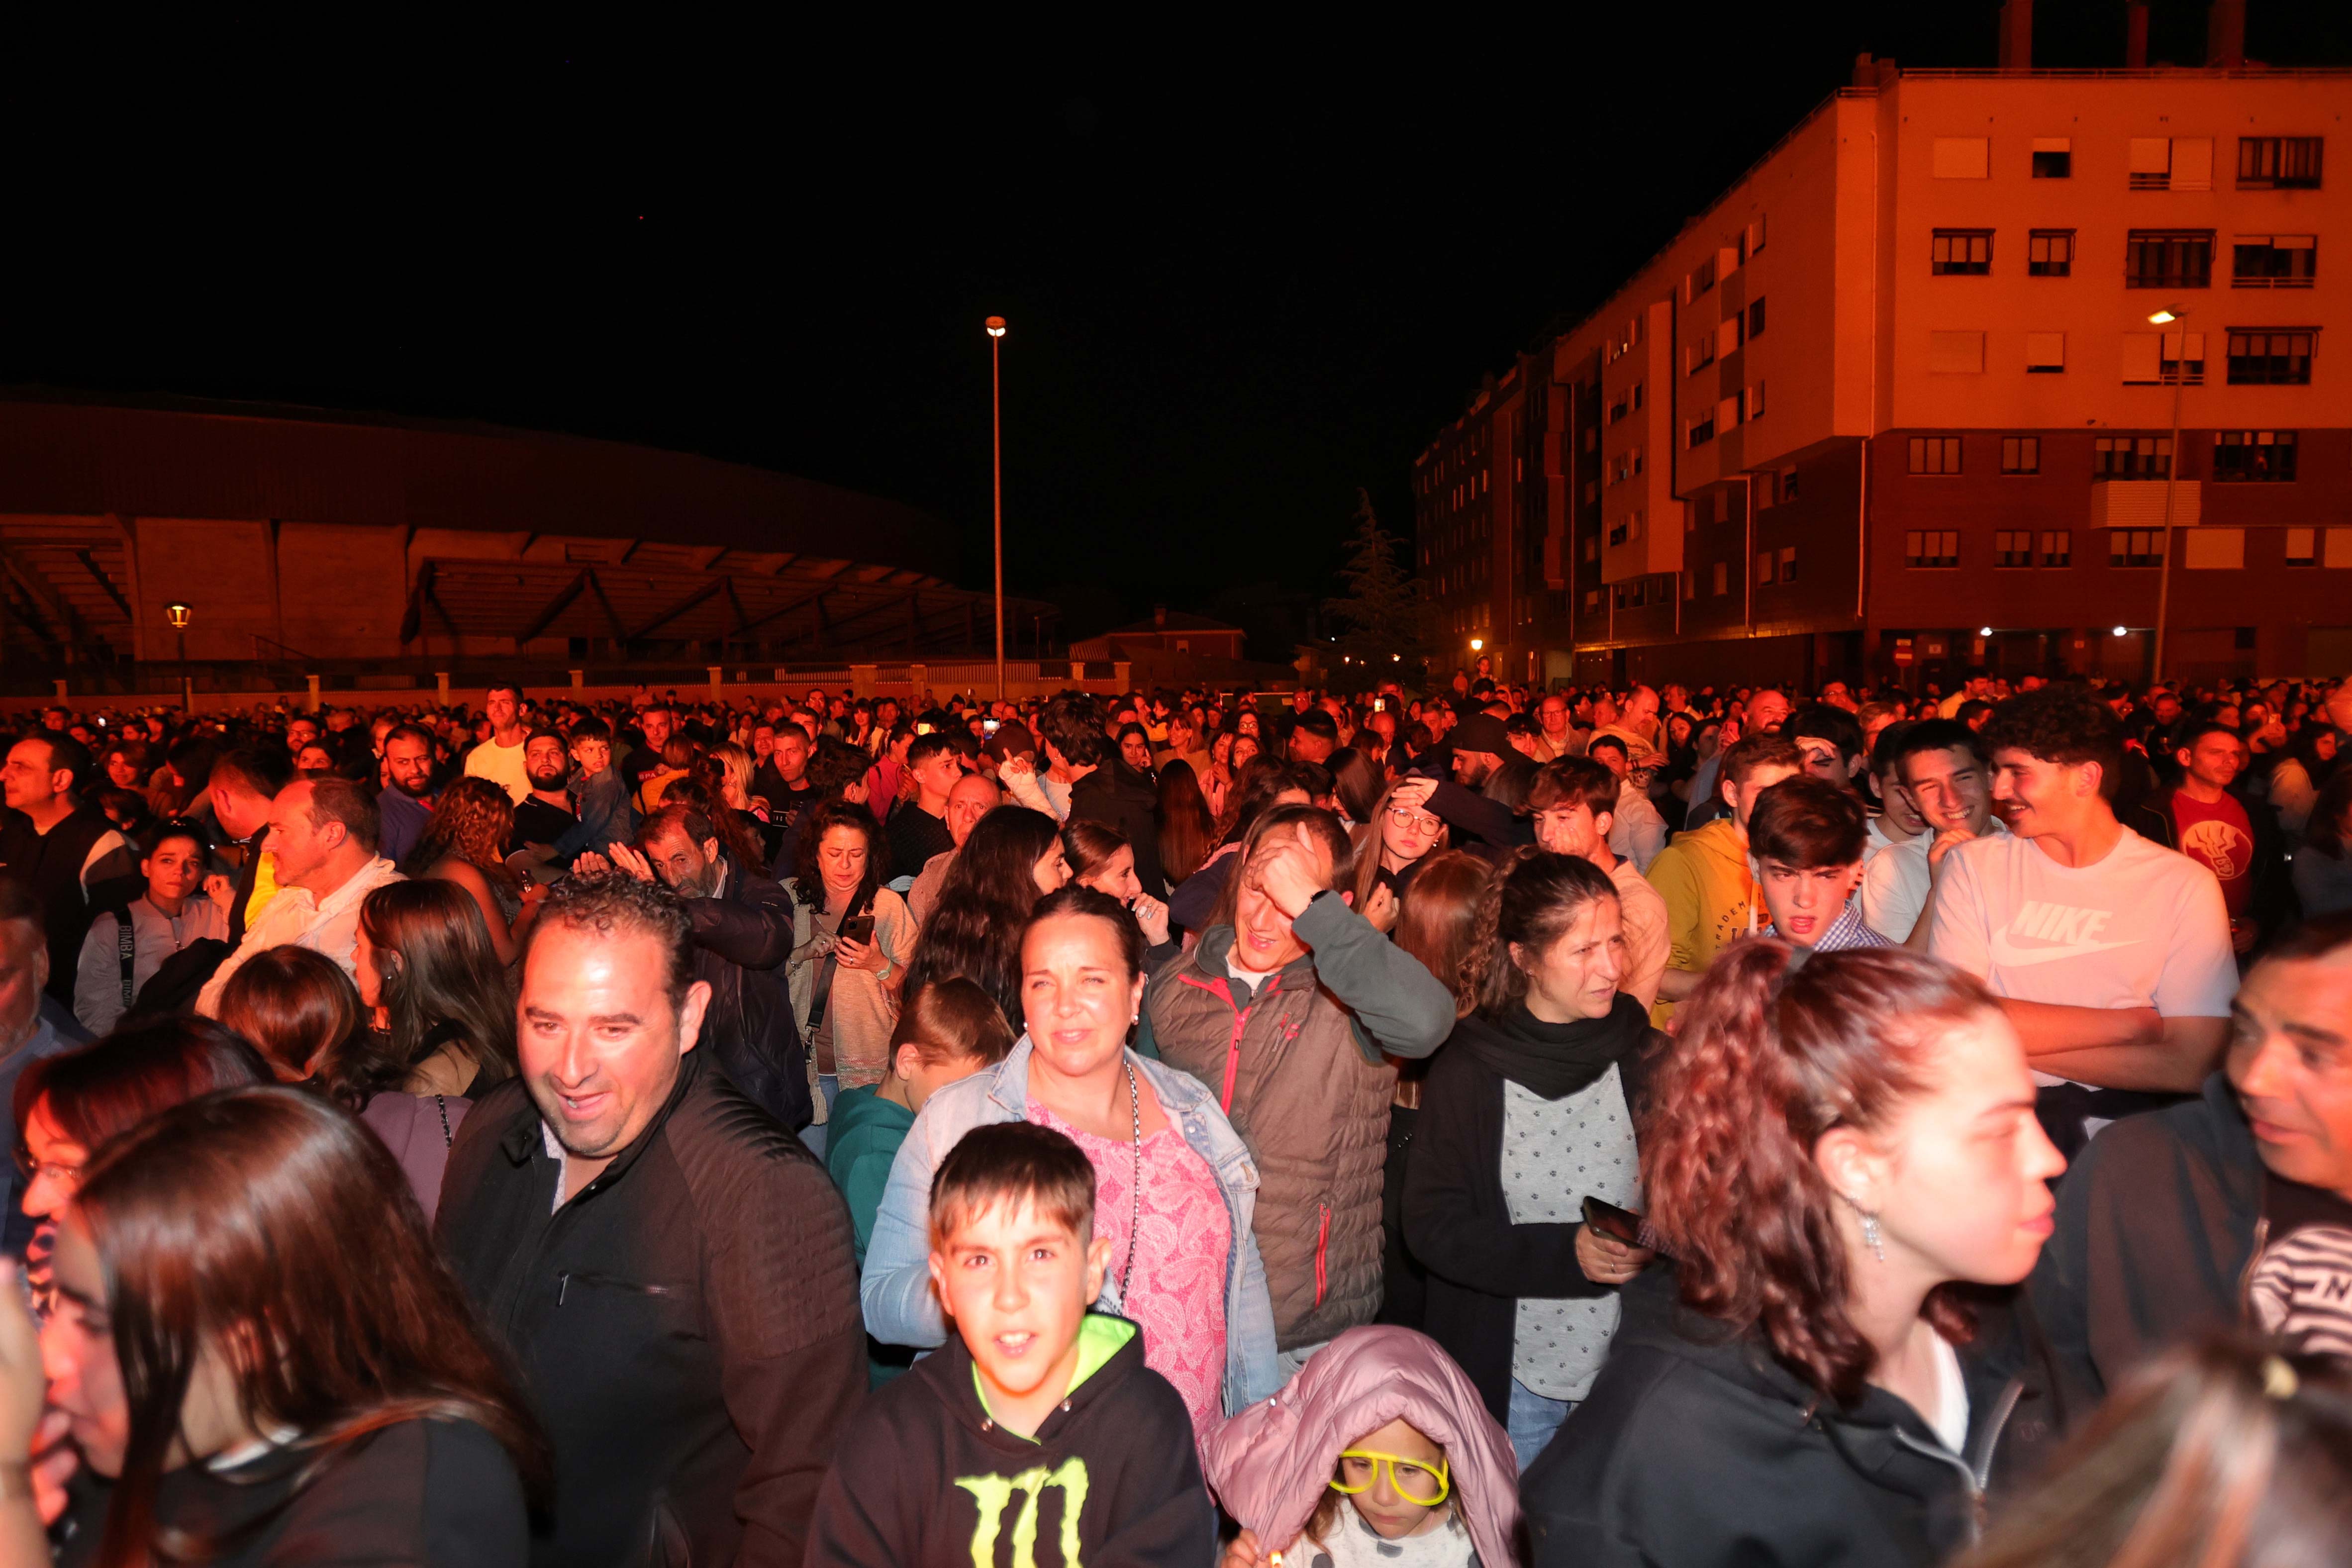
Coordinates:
<point>1037,1438</point>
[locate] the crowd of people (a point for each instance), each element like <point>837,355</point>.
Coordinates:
<point>1485,1125</point>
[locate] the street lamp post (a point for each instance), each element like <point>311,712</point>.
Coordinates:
<point>996,452</point>
<point>2163,318</point>
<point>178,615</point>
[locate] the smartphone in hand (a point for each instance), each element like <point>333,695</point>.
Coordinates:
<point>858,928</point>
<point>1622,1225</point>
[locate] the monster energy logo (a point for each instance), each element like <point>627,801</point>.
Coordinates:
<point>994,1496</point>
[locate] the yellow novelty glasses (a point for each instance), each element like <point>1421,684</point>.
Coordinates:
<point>1411,1479</point>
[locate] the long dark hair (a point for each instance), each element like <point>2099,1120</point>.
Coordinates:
<point>975,928</point>
<point>265,1212</point>
<point>1439,915</point>
<point>441,983</point>
<point>808,879</point>
<point>1770,1056</point>
<point>1186,829</point>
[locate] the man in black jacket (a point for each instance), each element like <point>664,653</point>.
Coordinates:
<point>1115,796</point>
<point>2236,1205</point>
<point>671,1270</point>
<point>63,849</point>
<point>742,931</point>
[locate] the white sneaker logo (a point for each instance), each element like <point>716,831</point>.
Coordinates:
<point>2075,932</point>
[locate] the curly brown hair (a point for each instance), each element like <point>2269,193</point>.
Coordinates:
<point>473,823</point>
<point>1770,1057</point>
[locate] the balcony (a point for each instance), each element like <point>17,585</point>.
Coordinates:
<point>2139,503</point>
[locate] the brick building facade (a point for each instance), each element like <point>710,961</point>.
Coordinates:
<point>1893,406</point>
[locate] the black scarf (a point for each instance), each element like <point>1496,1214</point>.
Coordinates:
<point>1554,1060</point>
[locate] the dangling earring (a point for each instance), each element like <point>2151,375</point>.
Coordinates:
<point>1872,1237</point>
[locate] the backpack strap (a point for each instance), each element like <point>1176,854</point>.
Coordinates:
<point>126,952</point>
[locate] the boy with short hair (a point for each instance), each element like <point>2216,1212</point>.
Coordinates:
<point>1808,835</point>
<point>1038,1424</point>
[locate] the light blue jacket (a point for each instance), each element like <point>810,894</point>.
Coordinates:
<point>900,1309</point>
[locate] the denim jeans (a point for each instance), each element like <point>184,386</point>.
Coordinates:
<point>828,1085</point>
<point>1533,1420</point>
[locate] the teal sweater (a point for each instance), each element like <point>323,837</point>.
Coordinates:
<point>861,1140</point>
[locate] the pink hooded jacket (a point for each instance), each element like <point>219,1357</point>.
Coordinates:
<point>1270,1464</point>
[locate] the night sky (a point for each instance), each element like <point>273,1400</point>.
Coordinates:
<point>1246,271</point>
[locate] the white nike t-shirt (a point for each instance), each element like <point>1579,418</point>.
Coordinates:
<point>1895,881</point>
<point>2144,927</point>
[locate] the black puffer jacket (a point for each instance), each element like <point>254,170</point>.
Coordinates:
<point>741,939</point>
<point>1117,796</point>
<point>1696,1448</point>
<point>687,1326</point>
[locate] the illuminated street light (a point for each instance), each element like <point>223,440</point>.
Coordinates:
<point>2164,316</point>
<point>1478,644</point>
<point>995,325</point>
<point>179,615</point>
<point>2123,631</point>
<point>1984,631</point>
<point>1396,658</point>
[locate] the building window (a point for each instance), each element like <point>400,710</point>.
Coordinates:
<point>2160,359</point>
<point>1751,238</point>
<point>2180,163</point>
<point>1788,563</point>
<point>1700,354</point>
<point>2131,457</point>
<point>1721,579</point>
<point>1621,407</point>
<point>2273,260</point>
<point>1702,431</point>
<point>2301,546</point>
<point>1935,453</point>
<point>2054,158</point>
<point>1788,484</point>
<point>2021,454</point>
<point>2254,457</point>
<point>1755,319</point>
<point>1752,407</point>
<point>2136,547</point>
<point>1763,566</point>
<point>2058,548</point>
<point>2050,253</point>
<point>1955,353</point>
<point>2168,259</point>
<point>1701,280</point>
<point>2013,548</point>
<point>2270,359</point>
<point>1962,251</point>
<point>1932,547</point>
<point>2045,354</point>
<point>2279,163</point>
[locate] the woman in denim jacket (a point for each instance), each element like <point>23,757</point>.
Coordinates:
<point>1198,1279</point>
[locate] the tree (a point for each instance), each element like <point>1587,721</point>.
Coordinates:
<point>1386,618</point>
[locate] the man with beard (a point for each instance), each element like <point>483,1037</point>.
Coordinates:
<point>544,815</point>
<point>740,924</point>
<point>406,803</point>
<point>1479,744</point>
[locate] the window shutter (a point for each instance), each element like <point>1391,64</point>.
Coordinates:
<point>1963,157</point>
<point>2046,349</point>
<point>2140,357</point>
<point>2153,154</point>
<point>2215,550</point>
<point>2299,541</point>
<point>2192,164</point>
<point>2053,144</point>
<point>1955,354</point>
<point>1726,414</point>
<point>2339,547</point>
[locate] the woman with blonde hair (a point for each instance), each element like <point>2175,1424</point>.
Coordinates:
<point>1404,833</point>
<point>465,843</point>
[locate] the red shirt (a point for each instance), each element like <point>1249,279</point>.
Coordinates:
<point>2219,838</point>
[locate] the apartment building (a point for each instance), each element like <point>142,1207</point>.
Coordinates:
<point>1894,404</point>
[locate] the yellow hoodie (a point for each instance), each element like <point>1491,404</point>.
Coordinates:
<point>1711,896</point>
